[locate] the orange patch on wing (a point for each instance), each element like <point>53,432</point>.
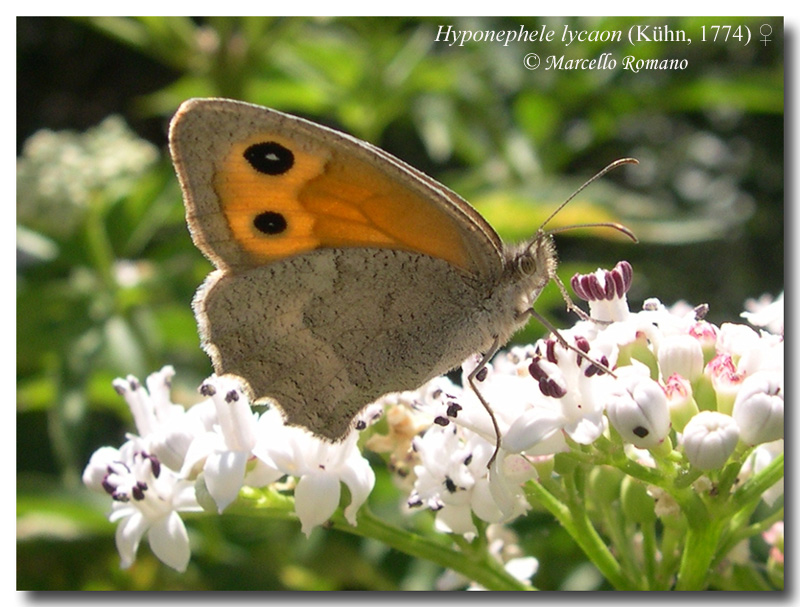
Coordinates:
<point>330,201</point>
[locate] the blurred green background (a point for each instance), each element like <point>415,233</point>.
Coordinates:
<point>106,270</point>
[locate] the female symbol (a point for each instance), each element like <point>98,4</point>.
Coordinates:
<point>766,34</point>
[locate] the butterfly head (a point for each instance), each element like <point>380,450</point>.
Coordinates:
<point>532,264</point>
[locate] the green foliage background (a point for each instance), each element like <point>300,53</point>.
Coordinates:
<point>706,202</point>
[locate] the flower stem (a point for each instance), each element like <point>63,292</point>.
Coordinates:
<point>582,531</point>
<point>486,571</point>
<point>754,487</point>
<point>649,549</point>
<point>702,540</point>
<point>671,546</point>
<point>476,566</point>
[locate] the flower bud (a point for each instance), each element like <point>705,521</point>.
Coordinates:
<point>706,334</point>
<point>564,465</point>
<point>726,381</point>
<point>682,406</point>
<point>758,409</point>
<point>638,410</point>
<point>604,483</point>
<point>709,439</point>
<point>680,354</point>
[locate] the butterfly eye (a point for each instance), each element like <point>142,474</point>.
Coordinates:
<point>269,157</point>
<point>526,265</point>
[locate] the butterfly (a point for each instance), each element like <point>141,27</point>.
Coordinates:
<point>342,273</point>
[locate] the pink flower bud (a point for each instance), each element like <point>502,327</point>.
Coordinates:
<point>682,406</point>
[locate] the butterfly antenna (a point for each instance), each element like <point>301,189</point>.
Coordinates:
<point>603,224</point>
<point>610,167</point>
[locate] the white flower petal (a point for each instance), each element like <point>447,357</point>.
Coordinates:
<point>184,498</point>
<point>587,429</point>
<point>483,502</point>
<point>128,535</point>
<point>456,519</point>
<point>434,448</point>
<point>765,313</point>
<point>159,385</point>
<point>122,510</point>
<point>202,446</point>
<point>315,499</point>
<point>172,441</point>
<point>555,443</point>
<point>203,414</point>
<point>275,444</point>
<point>531,428</point>
<point>360,479</point>
<point>170,542</point>
<point>262,474</point>
<point>522,568</point>
<point>224,473</point>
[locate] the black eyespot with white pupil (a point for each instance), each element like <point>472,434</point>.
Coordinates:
<point>269,157</point>
<point>270,223</point>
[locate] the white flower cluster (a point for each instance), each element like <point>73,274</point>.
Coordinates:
<point>661,377</point>
<point>676,379</point>
<point>61,173</point>
<point>153,475</point>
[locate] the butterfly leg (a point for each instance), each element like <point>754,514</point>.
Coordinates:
<point>471,379</point>
<point>571,307</point>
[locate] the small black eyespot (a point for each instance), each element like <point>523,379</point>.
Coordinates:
<point>641,431</point>
<point>270,222</point>
<point>269,157</point>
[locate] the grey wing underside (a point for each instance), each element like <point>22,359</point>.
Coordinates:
<point>326,333</point>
